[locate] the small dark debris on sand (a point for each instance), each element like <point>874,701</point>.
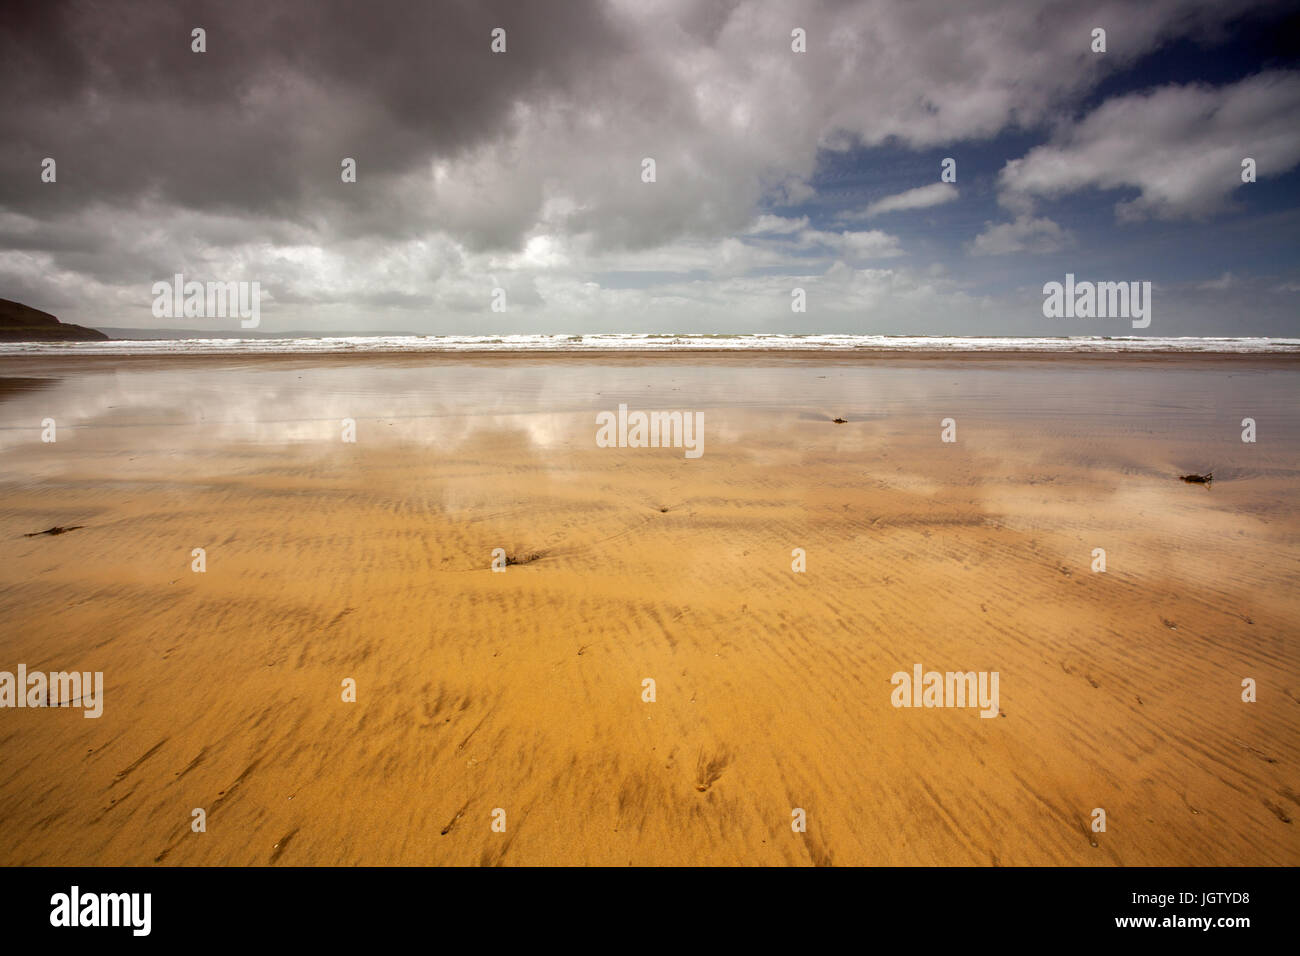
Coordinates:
<point>1204,479</point>
<point>839,421</point>
<point>57,529</point>
<point>524,557</point>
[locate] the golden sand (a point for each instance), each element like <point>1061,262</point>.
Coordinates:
<point>523,690</point>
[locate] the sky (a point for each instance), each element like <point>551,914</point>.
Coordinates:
<point>775,169</point>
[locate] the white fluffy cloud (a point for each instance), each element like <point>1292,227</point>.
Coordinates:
<point>922,197</point>
<point>1023,234</point>
<point>1180,147</point>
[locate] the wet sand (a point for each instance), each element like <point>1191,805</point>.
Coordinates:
<point>522,690</point>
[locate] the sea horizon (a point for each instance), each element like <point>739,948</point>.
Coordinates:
<point>660,342</point>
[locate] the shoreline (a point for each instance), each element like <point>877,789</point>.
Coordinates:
<point>662,356</point>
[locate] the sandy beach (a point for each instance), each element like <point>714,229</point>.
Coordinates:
<point>522,690</point>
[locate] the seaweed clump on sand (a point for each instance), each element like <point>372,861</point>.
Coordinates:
<point>524,557</point>
<point>57,529</point>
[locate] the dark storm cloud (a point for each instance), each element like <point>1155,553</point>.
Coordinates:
<point>260,122</point>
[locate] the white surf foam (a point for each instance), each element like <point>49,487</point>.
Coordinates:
<point>654,342</point>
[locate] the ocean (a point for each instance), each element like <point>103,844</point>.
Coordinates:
<point>650,342</point>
